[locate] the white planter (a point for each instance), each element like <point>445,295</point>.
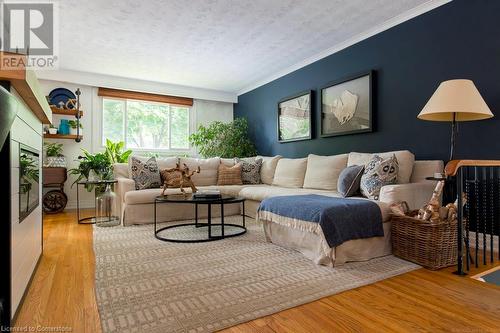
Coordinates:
<point>52,130</point>
<point>72,131</point>
<point>55,161</point>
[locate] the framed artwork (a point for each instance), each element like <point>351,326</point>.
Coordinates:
<point>294,117</point>
<point>347,106</point>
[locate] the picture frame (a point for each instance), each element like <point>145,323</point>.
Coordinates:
<point>347,105</point>
<point>294,117</point>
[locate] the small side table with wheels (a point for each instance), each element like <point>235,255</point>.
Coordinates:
<point>110,220</point>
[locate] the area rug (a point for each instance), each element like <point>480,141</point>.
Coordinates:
<point>146,285</point>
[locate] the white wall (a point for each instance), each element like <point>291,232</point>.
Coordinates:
<point>26,237</point>
<point>203,112</point>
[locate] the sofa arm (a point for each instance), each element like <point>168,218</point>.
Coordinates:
<point>123,186</point>
<point>415,194</point>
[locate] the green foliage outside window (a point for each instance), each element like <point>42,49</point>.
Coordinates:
<point>226,140</point>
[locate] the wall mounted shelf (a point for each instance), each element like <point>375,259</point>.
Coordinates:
<point>62,136</point>
<point>65,112</point>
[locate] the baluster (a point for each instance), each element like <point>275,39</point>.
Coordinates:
<point>476,213</point>
<point>492,208</point>
<point>468,209</point>
<point>484,194</point>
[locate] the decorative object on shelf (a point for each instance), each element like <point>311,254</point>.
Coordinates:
<point>71,104</point>
<point>184,180</point>
<point>347,105</point>
<point>64,127</point>
<point>294,117</point>
<point>94,167</point>
<point>225,140</point>
<point>60,97</point>
<point>52,130</point>
<point>104,203</point>
<point>455,100</point>
<point>54,200</point>
<point>53,155</point>
<point>73,127</point>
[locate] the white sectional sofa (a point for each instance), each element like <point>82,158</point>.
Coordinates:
<point>280,176</point>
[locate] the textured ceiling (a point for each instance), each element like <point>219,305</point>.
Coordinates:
<point>217,44</point>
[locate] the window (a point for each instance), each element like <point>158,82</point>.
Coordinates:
<point>145,125</point>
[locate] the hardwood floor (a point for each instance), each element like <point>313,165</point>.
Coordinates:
<point>62,294</point>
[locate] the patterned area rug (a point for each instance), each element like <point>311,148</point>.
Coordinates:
<point>146,285</point>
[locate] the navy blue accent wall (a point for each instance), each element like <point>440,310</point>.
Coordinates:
<point>458,40</point>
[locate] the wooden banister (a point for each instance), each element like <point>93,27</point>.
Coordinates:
<point>453,166</point>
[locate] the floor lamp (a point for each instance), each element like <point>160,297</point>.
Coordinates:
<point>454,101</point>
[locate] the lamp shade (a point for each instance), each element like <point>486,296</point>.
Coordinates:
<point>456,97</point>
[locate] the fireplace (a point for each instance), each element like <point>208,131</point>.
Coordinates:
<point>29,180</point>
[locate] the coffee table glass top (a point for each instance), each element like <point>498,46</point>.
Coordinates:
<point>188,198</point>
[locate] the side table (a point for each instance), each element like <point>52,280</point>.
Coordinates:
<point>96,183</point>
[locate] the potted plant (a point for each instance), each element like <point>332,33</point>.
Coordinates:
<point>73,124</point>
<point>92,167</point>
<point>226,140</point>
<point>52,130</point>
<point>53,155</point>
<point>115,153</point>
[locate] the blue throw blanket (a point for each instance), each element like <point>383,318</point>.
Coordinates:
<point>340,219</point>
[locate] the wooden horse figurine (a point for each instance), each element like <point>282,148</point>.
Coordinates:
<point>179,178</point>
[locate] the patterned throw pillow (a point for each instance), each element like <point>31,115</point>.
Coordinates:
<point>145,173</point>
<point>378,172</point>
<point>229,175</point>
<point>250,173</point>
<point>349,180</point>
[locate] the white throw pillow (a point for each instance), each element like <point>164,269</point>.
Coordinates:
<point>268,168</point>
<point>209,169</point>
<point>323,171</point>
<point>290,172</point>
<point>405,158</point>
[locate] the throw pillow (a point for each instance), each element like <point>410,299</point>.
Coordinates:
<point>378,172</point>
<point>145,173</point>
<point>250,170</point>
<point>229,175</point>
<point>350,180</point>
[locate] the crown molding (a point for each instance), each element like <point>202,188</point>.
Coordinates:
<point>117,82</point>
<point>414,12</point>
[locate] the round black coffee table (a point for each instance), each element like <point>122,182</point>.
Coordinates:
<point>188,199</point>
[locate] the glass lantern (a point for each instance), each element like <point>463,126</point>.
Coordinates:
<point>104,203</point>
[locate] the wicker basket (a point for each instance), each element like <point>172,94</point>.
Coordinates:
<point>429,244</point>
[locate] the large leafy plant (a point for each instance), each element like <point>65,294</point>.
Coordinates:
<point>54,149</point>
<point>115,153</point>
<point>225,140</point>
<point>98,163</point>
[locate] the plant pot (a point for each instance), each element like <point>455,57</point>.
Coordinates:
<point>55,162</point>
<point>72,131</point>
<point>52,131</point>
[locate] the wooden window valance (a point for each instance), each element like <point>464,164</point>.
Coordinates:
<point>127,94</point>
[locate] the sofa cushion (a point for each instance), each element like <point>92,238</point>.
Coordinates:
<point>268,168</point>
<point>423,169</point>
<point>145,173</point>
<point>229,175</point>
<point>120,170</point>
<point>167,162</point>
<point>261,192</point>
<point>378,172</point>
<point>350,180</point>
<point>228,161</point>
<point>209,168</point>
<point>250,169</point>
<point>290,172</point>
<point>405,160</point>
<point>323,171</point>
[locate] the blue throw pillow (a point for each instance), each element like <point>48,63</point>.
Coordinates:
<point>349,180</point>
